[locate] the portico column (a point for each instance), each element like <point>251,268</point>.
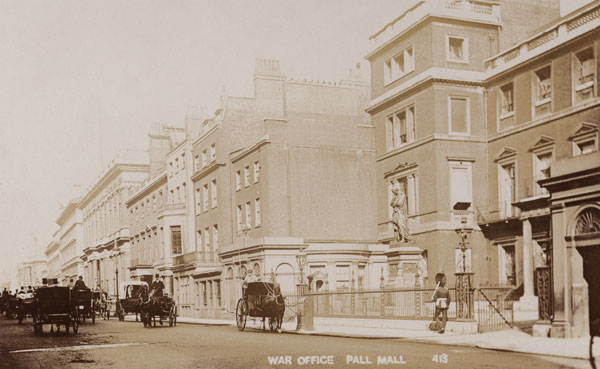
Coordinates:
<point>527,259</point>
<point>527,307</point>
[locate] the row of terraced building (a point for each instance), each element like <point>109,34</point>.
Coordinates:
<point>486,117</point>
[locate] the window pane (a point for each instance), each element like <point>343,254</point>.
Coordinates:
<point>458,109</point>
<point>456,48</point>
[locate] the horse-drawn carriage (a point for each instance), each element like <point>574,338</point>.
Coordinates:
<point>130,298</point>
<point>100,304</point>
<point>25,306</point>
<point>11,306</point>
<point>83,299</point>
<point>162,307</point>
<point>53,305</point>
<point>261,300</point>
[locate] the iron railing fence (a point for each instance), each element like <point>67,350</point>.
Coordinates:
<point>492,305</point>
<point>385,304</point>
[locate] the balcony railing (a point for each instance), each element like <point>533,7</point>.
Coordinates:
<point>185,258</point>
<point>498,211</point>
<point>557,34</point>
<point>465,9</point>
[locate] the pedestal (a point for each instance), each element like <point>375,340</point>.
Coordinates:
<point>526,309</point>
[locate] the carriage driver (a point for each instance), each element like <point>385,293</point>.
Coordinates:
<point>157,287</point>
<point>80,285</point>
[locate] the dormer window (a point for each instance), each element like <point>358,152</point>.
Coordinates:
<point>399,65</point>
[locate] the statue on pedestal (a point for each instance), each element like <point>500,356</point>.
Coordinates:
<point>400,214</point>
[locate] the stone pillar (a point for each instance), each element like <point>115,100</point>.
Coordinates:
<point>527,307</point>
<point>560,291</point>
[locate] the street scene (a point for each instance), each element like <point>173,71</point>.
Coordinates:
<point>110,344</point>
<point>300,184</point>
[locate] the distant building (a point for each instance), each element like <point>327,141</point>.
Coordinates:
<point>31,271</point>
<point>157,208</point>
<point>106,243</point>
<point>287,170</point>
<point>70,240</point>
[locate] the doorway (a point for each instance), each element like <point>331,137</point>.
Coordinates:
<point>591,273</point>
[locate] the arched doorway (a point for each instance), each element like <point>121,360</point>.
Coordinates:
<point>285,277</point>
<point>586,234</point>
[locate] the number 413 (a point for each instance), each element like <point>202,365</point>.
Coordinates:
<point>440,358</point>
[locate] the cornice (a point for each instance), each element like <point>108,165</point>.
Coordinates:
<point>243,153</point>
<point>212,167</point>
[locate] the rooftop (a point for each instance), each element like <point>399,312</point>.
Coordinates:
<point>558,32</point>
<point>470,10</point>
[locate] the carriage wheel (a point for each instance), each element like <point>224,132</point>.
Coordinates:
<point>36,324</point>
<point>75,319</point>
<point>241,314</point>
<point>172,316</point>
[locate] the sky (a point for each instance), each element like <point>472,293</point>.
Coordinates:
<point>80,80</point>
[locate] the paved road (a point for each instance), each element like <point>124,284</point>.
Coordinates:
<point>112,344</point>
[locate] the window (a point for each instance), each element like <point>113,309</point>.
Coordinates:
<point>247,176</point>
<point>198,201</point>
<point>196,163</point>
<point>507,102</point>
<point>183,161</point>
<point>543,85</point>
<point>215,230</point>
<point>584,74</point>
<point>207,242</point>
<point>459,115</point>
<point>205,197</point>
<point>400,128</point>
<point>238,180</point>
<point>399,65</point>
<point>239,218</point>
<point>257,212</point>
<point>457,49</point>
<point>200,244</point>
<point>213,152</point>
<point>507,189</point>
<point>541,165</point>
<point>256,172</point>
<point>248,215</point>
<point>176,239</point>
<point>507,265</point>
<point>585,146</point>
<point>218,292</point>
<point>461,188</point>
<point>204,159</point>
<point>342,273</point>
<point>213,190</point>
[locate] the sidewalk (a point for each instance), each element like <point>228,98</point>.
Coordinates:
<point>507,340</point>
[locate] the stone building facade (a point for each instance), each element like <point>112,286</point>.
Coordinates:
<point>106,221</point>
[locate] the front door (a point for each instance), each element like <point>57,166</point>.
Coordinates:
<point>591,273</point>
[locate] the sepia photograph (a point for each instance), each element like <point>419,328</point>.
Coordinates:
<point>299,184</point>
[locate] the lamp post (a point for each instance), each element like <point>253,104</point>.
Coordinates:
<point>301,260</point>
<point>463,272</point>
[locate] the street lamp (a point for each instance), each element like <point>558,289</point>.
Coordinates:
<point>301,260</point>
<point>463,271</point>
